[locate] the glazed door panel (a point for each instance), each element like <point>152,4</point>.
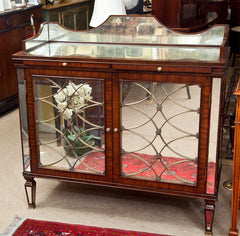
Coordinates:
<point>161,132</point>
<point>70,124</point>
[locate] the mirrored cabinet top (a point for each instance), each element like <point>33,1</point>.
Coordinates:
<point>124,37</point>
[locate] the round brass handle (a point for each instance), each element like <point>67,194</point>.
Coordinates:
<point>108,129</point>
<point>64,64</point>
<point>115,130</point>
<point>159,68</point>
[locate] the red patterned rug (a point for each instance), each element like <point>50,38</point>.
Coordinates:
<point>47,228</point>
<point>137,164</point>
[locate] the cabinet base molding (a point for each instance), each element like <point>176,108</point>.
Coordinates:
<point>8,103</point>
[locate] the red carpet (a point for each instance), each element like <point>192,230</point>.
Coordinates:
<point>186,170</point>
<point>47,228</point>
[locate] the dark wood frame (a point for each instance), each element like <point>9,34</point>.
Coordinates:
<point>112,72</point>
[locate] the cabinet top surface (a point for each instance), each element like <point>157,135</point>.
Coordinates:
<point>19,8</point>
<point>128,38</point>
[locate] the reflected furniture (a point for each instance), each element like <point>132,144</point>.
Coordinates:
<point>235,16</point>
<point>234,23</point>
<point>235,42</point>
<point>73,14</point>
<point>184,15</point>
<point>109,107</point>
<point>233,231</point>
<point>14,28</point>
<point>221,8</point>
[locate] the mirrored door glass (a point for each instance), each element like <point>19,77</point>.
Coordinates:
<point>23,117</point>
<point>70,124</point>
<point>160,131</point>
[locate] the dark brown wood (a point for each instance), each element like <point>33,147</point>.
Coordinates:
<point>221,8</point>
<point>14,28</point>
<point>235,16</point>
<point>235,43</point>
<point>184,15</point>
<point>233,231</point>
<point>234,22</point>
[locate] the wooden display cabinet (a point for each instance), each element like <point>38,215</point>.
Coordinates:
<point>73,14</point>
<point>118,113</point>
<point>14,28</point>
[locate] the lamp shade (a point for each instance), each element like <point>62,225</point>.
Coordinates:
<point>104,8</point>
<point>5,4</point>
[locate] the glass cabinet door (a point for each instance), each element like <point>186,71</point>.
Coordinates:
<point>70,123</point>
<point>160,125</point>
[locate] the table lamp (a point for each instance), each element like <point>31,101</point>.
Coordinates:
<point>5,5</point>
<point>104,8</point>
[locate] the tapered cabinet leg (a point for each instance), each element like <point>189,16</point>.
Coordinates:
<point>30,188</point>
<point>233,233</point>
<point>209,214</point>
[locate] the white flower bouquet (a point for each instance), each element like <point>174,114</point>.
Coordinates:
<point>73,99</point>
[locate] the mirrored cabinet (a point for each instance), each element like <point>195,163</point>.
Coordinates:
<point>130,104</point>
